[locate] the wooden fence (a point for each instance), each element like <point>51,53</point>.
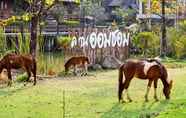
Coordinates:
<point>96,54</point>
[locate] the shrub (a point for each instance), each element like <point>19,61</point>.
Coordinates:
<point>148,42</point>
<point>2,40</point>
<point>64,41</point>
<point>22,77</point>
<point>177,43</point>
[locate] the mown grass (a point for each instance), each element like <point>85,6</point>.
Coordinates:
<point>94,96</point>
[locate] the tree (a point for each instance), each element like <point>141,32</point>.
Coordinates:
<point>58,13</point>
<point>37,9</point>
<point>93,8</point>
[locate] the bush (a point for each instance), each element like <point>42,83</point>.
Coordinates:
<point>148,42</point>
<point>2,40</point>
<point>64,41</point>
<point>22,77</point>
<point>177,43</point>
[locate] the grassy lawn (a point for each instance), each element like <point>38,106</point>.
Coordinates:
<point>93,96</point>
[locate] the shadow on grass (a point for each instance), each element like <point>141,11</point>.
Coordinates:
<point>147,110</point>
<point>8,91</point>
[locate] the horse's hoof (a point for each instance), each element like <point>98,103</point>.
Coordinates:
<point>156,99</point>
<point>122,101</point>
<point>9,84</point>
<point>82,74</point>
<point>130,100</point>
<point>24,84</point>
<point>146,100</point>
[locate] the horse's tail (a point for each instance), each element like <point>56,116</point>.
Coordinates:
<point>120,84</point>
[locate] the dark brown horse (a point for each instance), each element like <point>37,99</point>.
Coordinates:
<point>76,61</point>
<point>17,61</point>
<point>150,70</point>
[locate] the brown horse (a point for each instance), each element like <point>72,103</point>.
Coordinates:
<point>75,61</point>
<point>150,70</point>
<point>17,61</point>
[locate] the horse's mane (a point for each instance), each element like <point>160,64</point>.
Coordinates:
<point>154,60</point>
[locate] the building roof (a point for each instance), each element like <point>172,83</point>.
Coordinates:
<point>74,1</point>
<point>115,3</point>
<point>125,4</point>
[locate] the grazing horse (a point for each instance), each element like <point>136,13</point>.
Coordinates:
<point>75,61</point>
<point>150,70</point>
<point>17,61</point>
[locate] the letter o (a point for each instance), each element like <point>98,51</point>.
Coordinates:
<point>100,40</point>
<point>119,37</point>
<point>93,40</point>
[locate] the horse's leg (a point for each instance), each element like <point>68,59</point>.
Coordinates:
<point>155,89</point>
<point>75,69</point>
<point>148,89</point>
<point>86,69</point>
<point>126,85</point>
<point>9,77</point>
<point>121,88</point>
<point>29,74</point>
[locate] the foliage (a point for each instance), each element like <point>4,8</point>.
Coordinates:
<point>170,7</point>
<point>148,42</point>
<point>50,63</point>
<point>21,45</point>
<point>64,41</point>
<point>41,42</point>
<point>22,77</point>
<point>126,15</point>
<point>71,22</point>
<point>2,40</point>
<point>58,12</point>
<point>24,44</point>
<point>177,41</point>
<point>93,8</point>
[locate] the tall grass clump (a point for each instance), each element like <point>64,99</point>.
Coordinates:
<point>3,45</point>
<point>50,63</point>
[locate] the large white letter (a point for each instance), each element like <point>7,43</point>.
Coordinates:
<point>93,40</point>
<point>73,42</point>
<point>113,39</point>
<point>119,39</point>
<point>100,40</point>
<point>107,40</point>
<point>126,39</point>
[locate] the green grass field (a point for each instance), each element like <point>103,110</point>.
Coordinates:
<point>94,96</point>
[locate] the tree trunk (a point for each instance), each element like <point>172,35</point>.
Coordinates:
<point>33,40</point>
<point>57,28</point>
<point>163,38</point>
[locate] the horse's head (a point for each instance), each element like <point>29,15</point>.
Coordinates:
<point>66,67</point>
<point>167,89</point>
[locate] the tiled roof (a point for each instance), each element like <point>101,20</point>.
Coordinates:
<point>75,1</point>
<point>116,3</point>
